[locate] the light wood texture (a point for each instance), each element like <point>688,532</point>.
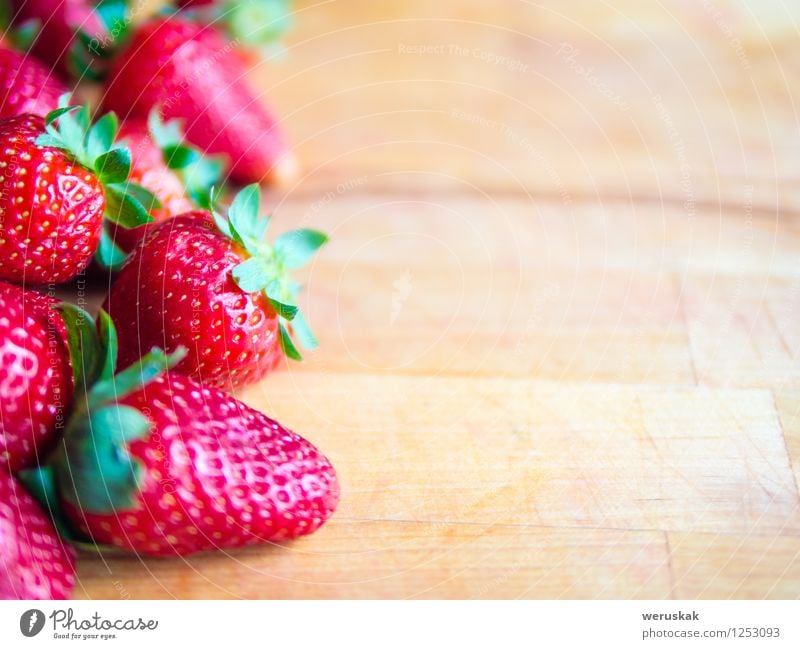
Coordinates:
<point>560,315</point>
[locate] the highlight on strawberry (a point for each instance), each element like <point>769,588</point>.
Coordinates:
<point>28,85</point>
<point>191,72</point>
<point>34,562</point>
<point>154,463</point>
<point>213,285</point>
<point>36,381</point>
<point>61,177</point>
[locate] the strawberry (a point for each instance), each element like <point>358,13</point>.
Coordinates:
<point>73,34</point>
<point>157,464</point>
<point>59,177</point>
<point>177,174</point>
<point>34,562</point>
<point>35,377</point>
<point>189,72</point>
<point>214,286</point>
<point>26,85</point>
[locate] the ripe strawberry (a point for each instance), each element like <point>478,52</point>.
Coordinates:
<point>60,176</point>
<point>154,463</point>
<point>26,85</point>
<point>35,377</point>
<point>60,22</point>
<point>216,288</point>
<point>34,562</point>
<point>189,72</point>
<point>177,175</point>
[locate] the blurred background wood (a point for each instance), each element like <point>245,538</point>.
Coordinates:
<point>559,315</point>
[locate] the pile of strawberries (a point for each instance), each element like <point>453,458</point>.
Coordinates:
<point>119,431</point>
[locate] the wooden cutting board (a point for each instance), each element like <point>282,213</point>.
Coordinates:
<point>560,314</point>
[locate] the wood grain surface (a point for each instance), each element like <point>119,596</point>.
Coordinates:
<point>560,313</point>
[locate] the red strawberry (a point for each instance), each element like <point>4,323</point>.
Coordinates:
<point>26,85</point>
<point>59,177</point>
<point>159,465</point>
<point>59,21</point>
<point>149,170</point>
<point>189,72</point>
<point>35,377</point>
<point>34,562</point>
<point>175,173</point>
<point>218,290</point>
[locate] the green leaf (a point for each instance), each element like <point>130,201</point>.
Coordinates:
<point>109,255</point>
<point>124,209</point>
<point>114,14</point>
<point>296,248</point>
<point>221,221</point>
<point>83,344</point>
<point>163,133</point>
<point>90,44</point>
<point>41,483</point>
<point>113,167</point>
<point>79,63</point>
<point>243,212</point>
<point>285,311</point>
<point>200,176</point>
<point>102,135</point>
<point>26,33</point>
<point>303,332</point>
<point>109,346</point>
<point>147,198</point>
<point>96,473</point>
<point>47,139</point>
<point>288,346</point>
<point>234,234</point>
<point>179,156</point>
<point>71,127</point>
<point>252,275</point>
<point>135,377</point>
<point>53,115</point>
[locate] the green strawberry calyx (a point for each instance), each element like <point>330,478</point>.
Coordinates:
<point>89,54</point>
<point>268,267</point>
<point>95,147</point>
<point>198,172</point>
<point>21,34</point>
<point>92,468</point>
